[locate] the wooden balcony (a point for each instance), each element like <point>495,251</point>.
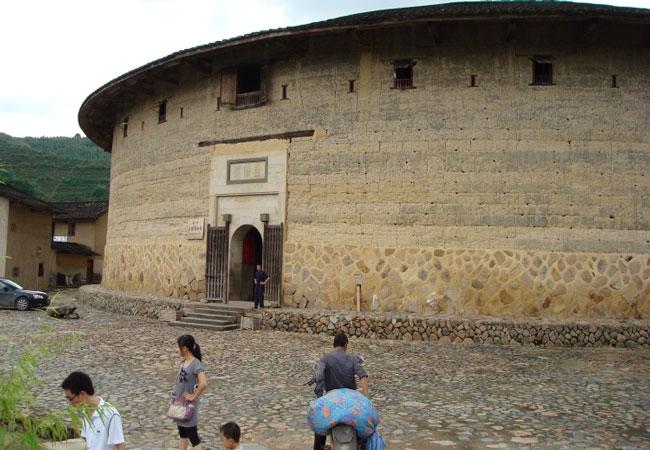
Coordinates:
<point>403,83</point>
<point>249,99</point>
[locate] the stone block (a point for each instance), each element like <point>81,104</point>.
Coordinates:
<point>169,315</point>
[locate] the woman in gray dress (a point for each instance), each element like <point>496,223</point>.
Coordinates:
<point>189,385</point>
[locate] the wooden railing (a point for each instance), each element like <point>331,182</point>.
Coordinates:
<point>542,79</point>
<point>249,99</point>
<point>403,83</point>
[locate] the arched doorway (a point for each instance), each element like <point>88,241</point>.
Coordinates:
<point>245,254</point>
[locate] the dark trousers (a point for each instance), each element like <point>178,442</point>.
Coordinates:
<point>258,296</point>
<point>319,441</point>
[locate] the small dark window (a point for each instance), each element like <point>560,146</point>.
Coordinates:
<point>181,112</point>
<point>13,228</point>
<point>614,81</point>
<point>40,269</point>
<point>71,229</point>
<point>249,86</point>
<point>351,86</point>
<point>15,272</point>
<point>472,80</point>
<point>218,103</point>
<point>542,71</point>
<point>284,92</point>
<point>242,87</point>
<point>162,111</point>
<point>403,74</point>
<point>142,125</point>
<point>125,125</point>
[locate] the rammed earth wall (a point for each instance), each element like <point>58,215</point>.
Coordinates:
<point>504,198</point>
<point>483,330</point>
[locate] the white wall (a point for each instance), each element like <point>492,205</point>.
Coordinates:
<point>4,230</point>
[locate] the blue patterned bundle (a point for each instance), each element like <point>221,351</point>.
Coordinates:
<point>348,407</point>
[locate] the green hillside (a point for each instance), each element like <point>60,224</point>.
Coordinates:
<point>66,169</point>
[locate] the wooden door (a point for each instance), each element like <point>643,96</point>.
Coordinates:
<point>216,266</point>
<point>90,269</point>
<point>229,87</point>
<point>272,263</point>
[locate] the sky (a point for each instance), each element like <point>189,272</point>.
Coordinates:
<point>56,52</point>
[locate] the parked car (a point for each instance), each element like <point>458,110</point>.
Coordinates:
<point>12,295</point>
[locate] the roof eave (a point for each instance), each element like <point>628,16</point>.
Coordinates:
<point>175,58</point>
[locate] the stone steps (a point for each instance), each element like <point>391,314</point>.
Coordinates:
<point>202,315</point>
<point>210,320</point>
<point>210,311</point>
<point>212,316</point>
<point>181,323</point>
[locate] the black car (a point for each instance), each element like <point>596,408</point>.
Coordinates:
<point>12,295</point>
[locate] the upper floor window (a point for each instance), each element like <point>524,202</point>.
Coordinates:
<point>71,229</point>
<point>162,111</point>
<point>125,129</point>
<point>542,70</point>
<point>403,74</point>
<point>243,87</point>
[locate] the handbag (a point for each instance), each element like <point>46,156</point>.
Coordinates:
<point>180,409</point>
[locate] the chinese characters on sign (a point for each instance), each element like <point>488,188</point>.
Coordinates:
<point>195,228</point>
<point>247,171</point>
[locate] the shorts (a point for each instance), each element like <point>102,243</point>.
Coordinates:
<point>191,433</point>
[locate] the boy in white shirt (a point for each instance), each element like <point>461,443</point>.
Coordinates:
<point>230,433</point>
<point>104,430</point>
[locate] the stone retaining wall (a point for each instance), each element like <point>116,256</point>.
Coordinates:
<point>467,331</point>
<point>468,282</point>
<point>128,303</point>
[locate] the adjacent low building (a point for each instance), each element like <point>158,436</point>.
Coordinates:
<point>79,237</point>
<point>25,227</point>
<point>467,158</point>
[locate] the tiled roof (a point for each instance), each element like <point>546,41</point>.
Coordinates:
<point>13,194</point>
<point>420,13</point>
<point>100,128</point>
<point>73,248</point>
<point>79,210</point>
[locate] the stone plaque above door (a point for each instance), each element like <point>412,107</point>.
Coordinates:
<point>253,170</point>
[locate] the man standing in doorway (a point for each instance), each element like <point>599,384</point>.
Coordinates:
<point>260,278</point>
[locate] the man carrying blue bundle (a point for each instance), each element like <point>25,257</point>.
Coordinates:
<point>336,370</point>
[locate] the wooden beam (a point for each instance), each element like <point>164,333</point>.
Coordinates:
<point>266,137</point>
<point>586,31</point>
<point>354,34</point>
<point>200,65</point>
<point>144,85</point>
<point>297,51</point>
<point>433,31</point>
<point>166,79</point>
<point>510,32</point>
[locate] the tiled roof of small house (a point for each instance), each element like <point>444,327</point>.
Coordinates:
<point>9,192</point>
<point>73,248</point>
<point>79,210</point>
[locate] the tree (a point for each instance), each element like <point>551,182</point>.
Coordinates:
<point>21,428</point>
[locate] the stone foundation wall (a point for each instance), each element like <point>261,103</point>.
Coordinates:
<point>126,302</point>
<point>165,269</point>
<point>601,333</point>
<point>465,282</point>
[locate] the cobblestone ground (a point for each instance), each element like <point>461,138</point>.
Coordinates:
<point>429,396</point>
